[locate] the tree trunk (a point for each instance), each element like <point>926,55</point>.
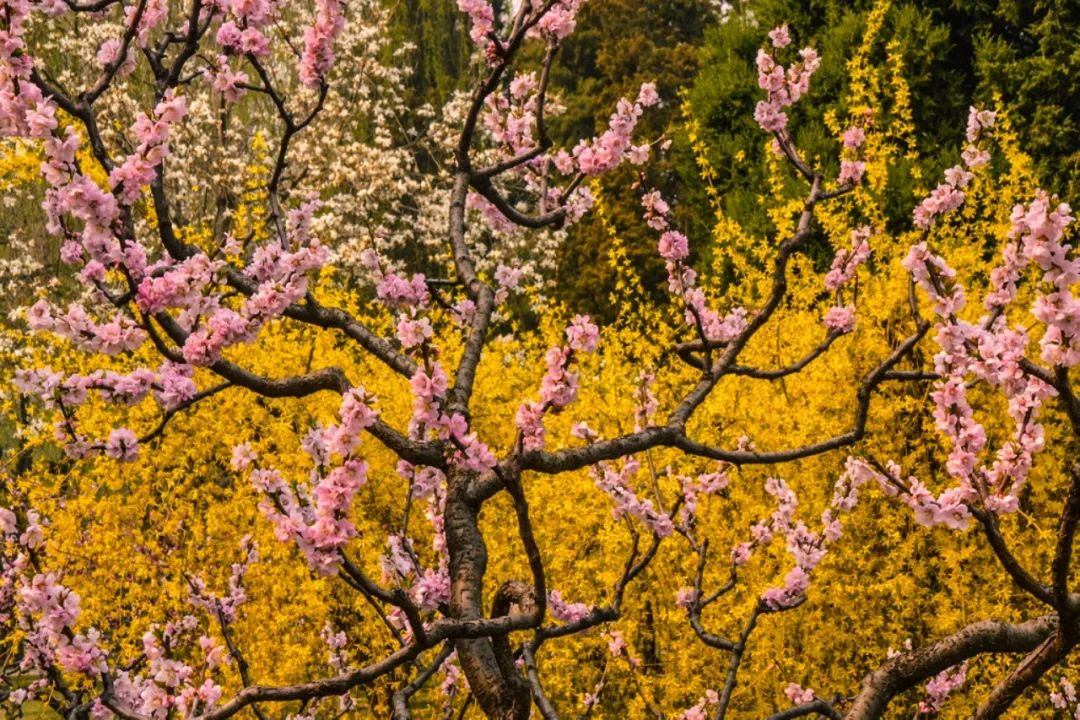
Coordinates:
<point>499,689</point>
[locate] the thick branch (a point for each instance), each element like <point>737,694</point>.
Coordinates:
<point>905,671</point>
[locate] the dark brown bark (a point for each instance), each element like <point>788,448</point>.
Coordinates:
<point>500,691</point>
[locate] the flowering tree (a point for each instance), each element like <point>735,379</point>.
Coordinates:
<point>199,303</point>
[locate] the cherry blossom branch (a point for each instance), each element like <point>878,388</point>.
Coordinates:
<point>672,435</point>
<point>87,97</point>
<point>1009,561</point>
<point>82,112</point>
<point>1064,601</point>
<point>540,699</point>
<point>401,697</point>
<point>543,141</point>
<point>172,412</point>
<point>1030,670</point>
<point>777,373</point>
<point>906,670</point>
<point>737,651</point>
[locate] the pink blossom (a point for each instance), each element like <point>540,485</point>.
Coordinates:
<point>228,35</point>
<point>847,262</point>
<point>243,456</point>
<point>529,420</point>
<point>851,171</point>
<point>685,598</point>
<point>854,137</point>
<point>227,81</point>
<point>979,121</point>
<point>559,22</point>
<point>770,117</point>
<point>564,611</point>
<point>582,335</point>
<point>941,686</point>
<point>799,695</point>
<point>674,246</point>
<point>647,96</point>
<point>254,42</point>
<point>791,594</point>
<point>482,18</point>
<point>412,333</point>
<point>122,445</point>
<point>780,36</point>
<point>318,54</point>
<point>783,86</point>
<point>975,157</point>
<point>840,318</point>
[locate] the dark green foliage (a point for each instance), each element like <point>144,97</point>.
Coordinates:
<point>955,54</point>
<point>618,45</point>
<point>441,48</point>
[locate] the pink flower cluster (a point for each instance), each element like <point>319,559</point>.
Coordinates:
<point>979,124</point>
<point>19,94</point>
<point>799,695</point>
<point>318,55</point>
<point>178,285</point>
<point>430,420</point>
<point>565,611</point>
<point>243,33</point>
<point>806,547</point>
<point>225,607</point>
<point>510,120</point>
<point>394,289</point>
<point>674,248</point>
<point>428,588</point>
<point>315,515</point>
<point>702,485</point>
<point>108,55</point>
<point>949,508</point>
<point>700,711</point>
<point>48,611</point>
<point>507,280</point>
<point>783,86</point>
<point>934,276</point>
<point>1037,233</point>
<point>117,335</point>
<point>847,261</point>
<point>169,685</point>
<point>559,22</point>
<point>940,687</point>
<point>280,276</point>
<point>88,219</point>
<point>493,217</point>
<point>153,13</point>
<point>227,81</point>
<point>482,17</point>
<point>602,154</point>
<point>841,318</point>
<point>994,353</point>
<point>949,196</point>
<point>1066,698</point>
<point>559,386</point>
<point>852,165</point>
<point>152,132</point>
<point>945,198</point>
<point>172,385</point>
<point>616,483</point>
